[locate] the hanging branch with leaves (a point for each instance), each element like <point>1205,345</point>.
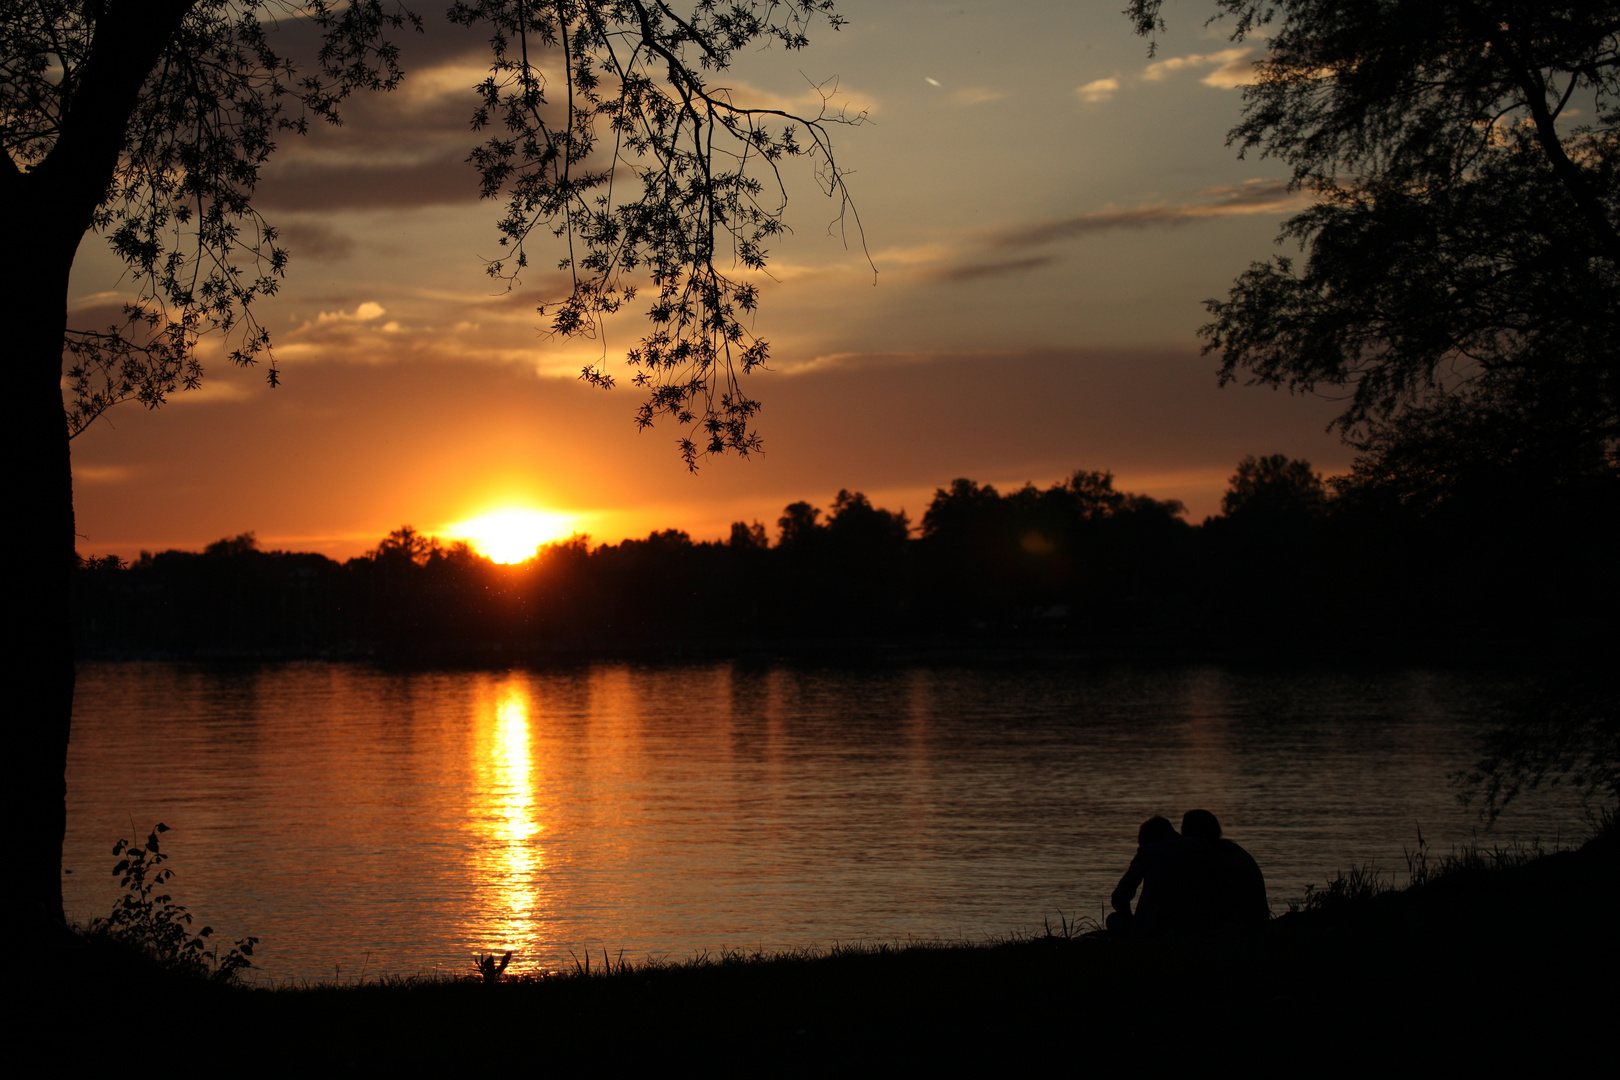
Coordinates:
<point>605,132</point>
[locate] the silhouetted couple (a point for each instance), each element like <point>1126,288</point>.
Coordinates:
<point>1191,881</point>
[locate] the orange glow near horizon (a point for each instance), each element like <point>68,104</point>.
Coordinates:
<point>512,535</point>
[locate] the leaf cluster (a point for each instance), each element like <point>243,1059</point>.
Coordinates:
<point>605,128</point>
<point>213,89</point>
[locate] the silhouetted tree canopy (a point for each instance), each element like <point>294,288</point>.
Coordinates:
<point>406,545</point>
<point>856,525</point>
<point>797,525</point>
<point>744,535</point>
<point>159,117</point>
<point>233,545</point>
<point>1274,487</point>
<point>148,124</point>
<point>1461,253</point>
<point>1565,733</point>
<point>1498,446</point>
<point>1460,291</point>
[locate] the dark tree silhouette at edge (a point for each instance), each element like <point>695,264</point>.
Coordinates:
<point>148,122</point>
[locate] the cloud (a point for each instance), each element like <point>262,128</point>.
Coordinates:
<point>829,99</point>
<point>915,255</point>
<point>213,391</point>
<point>365,312</point>
<point>1098,90</point>
<point>314,186</point>
<point>975,95</point>
<point>975,271</point>
<point>855,361</point>
<point>993,257</point>
<point>100,311</point>
<point>102,301</point>
<point>426,118</point>
<point>410,149</point>
<point>456,79</point>
<point>101,474</point>
<point>427,328</point>
<point>1254,197</point>
<point>313,240</point>
<point>405,148</point>
<point>1225,60</point>
<point>1231,75</point>
<point>301,37</point>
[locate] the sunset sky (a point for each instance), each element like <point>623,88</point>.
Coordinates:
<point>1047,209</point>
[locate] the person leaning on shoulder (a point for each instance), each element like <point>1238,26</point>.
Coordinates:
<point>1160,869</point>
<point>1192,881</point>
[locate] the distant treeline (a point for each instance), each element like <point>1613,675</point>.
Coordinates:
<point>1291,567</point>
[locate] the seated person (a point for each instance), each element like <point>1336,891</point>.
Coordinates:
<point>1160,870</point>
<point>1230,889</point>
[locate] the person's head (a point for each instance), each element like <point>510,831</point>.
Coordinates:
<point>1154,829</point>
<point>1200,825</point>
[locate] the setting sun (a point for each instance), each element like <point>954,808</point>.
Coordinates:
<point>510,536</point>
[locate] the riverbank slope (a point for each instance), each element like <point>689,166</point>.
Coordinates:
<point>1499,957</point>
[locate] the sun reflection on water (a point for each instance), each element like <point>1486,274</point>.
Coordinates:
<point>508,857</point>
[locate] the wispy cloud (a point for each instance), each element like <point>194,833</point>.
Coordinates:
<point>316,185</point>
<point>967,96</point>
<point>101,474</point>
<point>1232,74</point>
<point>916,255</point>
<point>975,95</point>
<point>855,361</point>
<point>1163,69</point>
<point>974,271</point>
<point>998,254</point>
<point>102,301</point>
<point>1254,197</point>
<point>365,312</point>
<point>215,390</point>
<point>1098,90</point>
<point>830,99</point>
<point>317,241</point>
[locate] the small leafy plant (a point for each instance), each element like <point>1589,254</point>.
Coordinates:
<point>149,919</point>
<point>491,968</point>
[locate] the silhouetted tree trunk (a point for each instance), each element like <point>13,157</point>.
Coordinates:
<point>44,214</point>
<point>34,286</point>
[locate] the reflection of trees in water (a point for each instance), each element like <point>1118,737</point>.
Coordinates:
<point>1565,732</point>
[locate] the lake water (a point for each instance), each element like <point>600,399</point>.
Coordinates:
<point>367,821</point>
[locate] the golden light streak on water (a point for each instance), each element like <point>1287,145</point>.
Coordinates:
<point>510,857</point>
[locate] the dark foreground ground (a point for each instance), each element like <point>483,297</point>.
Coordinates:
<point>1495,961</point>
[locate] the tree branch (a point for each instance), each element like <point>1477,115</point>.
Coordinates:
<point>1569,174</point>
<point>129,39</point>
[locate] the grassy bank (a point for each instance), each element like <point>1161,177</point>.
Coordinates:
<point>1490,956</point>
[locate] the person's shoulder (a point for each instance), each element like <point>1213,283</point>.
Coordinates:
<point>1176,850</point>
<point>1234,851</point>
